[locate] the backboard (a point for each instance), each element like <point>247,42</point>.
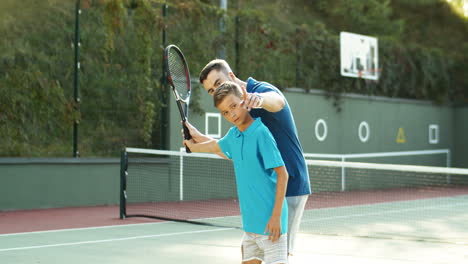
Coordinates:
<point>359,56</point>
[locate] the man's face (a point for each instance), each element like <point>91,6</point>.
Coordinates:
<point>214,79</point>
<point>232,110</point>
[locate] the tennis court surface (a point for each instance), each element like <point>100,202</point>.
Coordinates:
<point>142,240</point>
<point>180,208</point>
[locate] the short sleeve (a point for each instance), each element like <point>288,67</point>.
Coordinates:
<point>261,87</point>
<point>224,143</point>
<point>269,150</point>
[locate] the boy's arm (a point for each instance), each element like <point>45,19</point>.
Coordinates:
<point>210,146</point>
<point>198,137</point>
<point>273,227</point>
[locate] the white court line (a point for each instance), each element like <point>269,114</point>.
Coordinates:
<point>112,240</point>
<point>81,228</point>
<point>457,210</point>
<point>379,213</point>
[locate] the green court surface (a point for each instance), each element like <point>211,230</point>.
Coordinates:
<point>380,233</point>
<point>442,220</point>
<point>183,243</point>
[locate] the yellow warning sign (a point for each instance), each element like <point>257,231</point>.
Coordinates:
<point>401,136</point>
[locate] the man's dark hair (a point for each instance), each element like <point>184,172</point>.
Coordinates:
<point>217,64</point>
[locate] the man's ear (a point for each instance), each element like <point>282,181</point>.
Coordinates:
<point>232,76</point>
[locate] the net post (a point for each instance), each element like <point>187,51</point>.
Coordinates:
<point>181,175</point>
<point>123,183</point>
<point>343,175</point>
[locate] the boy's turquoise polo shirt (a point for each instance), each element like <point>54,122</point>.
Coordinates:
<point>255,156</point>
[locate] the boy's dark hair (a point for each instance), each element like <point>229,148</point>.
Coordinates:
<point>217,64</point>
<point>224,90</point>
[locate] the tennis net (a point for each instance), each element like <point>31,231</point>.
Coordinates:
<point>349,198</point>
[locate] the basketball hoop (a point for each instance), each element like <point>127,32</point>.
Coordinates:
<point>358,56</point>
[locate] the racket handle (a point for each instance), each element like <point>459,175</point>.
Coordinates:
<point>187,136</point>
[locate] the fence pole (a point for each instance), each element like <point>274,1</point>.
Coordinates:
<point>236,44</point>
<point>222,49</point>
<point>164,125</point>
<point>297,77</point>
<point>76,87</point>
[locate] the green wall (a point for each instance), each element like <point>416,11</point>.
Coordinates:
<point>384,116</point>
<point>460,135</point>
<point>52,183</point>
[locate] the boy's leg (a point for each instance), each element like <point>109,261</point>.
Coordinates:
<point>296,205</point>
<point>251,252</point>
<point>275,252</point>
<point>253,261</point>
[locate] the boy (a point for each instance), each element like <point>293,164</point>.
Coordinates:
<point>267,102</point>
<point>260,175</point>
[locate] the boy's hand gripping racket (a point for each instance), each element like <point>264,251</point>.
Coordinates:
<point>179,79</point>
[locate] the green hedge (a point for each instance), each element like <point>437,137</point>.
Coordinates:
<point>121,89</point>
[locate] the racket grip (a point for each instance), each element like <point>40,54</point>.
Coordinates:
<point>187,136</point>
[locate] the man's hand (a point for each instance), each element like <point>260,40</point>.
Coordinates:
<point>270,101</point>
<point>273,228</point>
<point>251,100</point>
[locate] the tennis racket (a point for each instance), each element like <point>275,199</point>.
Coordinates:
<point>179,78</point>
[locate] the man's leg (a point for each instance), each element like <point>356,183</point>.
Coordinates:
<point>296,205</point>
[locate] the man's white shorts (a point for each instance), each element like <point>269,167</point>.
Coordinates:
<point>259,247</point>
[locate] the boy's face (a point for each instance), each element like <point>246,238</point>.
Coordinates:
<point>214,79</point>
<point>233,111</point>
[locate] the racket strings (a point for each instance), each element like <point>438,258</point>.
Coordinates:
<point>178,74</point>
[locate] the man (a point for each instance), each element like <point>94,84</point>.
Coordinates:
<point>258,166</point>
<point>267,102</point>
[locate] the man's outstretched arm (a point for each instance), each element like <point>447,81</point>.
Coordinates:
<point>270,101</point>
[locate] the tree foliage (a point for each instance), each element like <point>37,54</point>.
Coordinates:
<point>423,54</point>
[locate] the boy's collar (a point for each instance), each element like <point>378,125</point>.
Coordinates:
<point>257,121</point>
